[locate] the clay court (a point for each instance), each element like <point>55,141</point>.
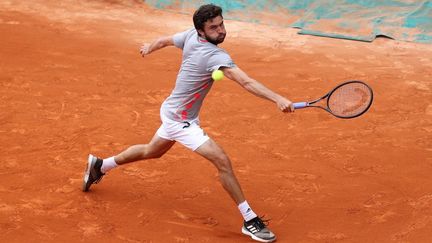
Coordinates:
<point>72,82</point>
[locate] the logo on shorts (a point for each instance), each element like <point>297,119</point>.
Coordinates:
<point>187,125</point>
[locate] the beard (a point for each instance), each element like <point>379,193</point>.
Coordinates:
<point>217,40</point>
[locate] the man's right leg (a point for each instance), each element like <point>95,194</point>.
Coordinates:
<point>155,149</point>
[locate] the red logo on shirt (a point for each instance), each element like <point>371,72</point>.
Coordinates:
<point>184,113</point>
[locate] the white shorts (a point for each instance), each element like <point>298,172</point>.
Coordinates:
<point>190,134</point>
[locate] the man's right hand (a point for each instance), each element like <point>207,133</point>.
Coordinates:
<point>285,105</point>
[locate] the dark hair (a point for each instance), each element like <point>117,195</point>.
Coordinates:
<point>204,13</point>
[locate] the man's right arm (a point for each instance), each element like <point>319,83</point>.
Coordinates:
<point>258,88</point>
<point>156,45</point>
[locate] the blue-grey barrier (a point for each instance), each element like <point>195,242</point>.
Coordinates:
<point>364,20</point>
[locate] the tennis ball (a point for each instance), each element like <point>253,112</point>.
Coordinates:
<point>217,75</point>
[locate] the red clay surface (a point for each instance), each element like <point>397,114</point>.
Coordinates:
<point>72,82</point>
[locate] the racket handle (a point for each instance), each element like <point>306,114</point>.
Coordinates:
<point>300,105</point>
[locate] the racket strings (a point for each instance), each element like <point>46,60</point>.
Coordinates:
<point>350,99</point>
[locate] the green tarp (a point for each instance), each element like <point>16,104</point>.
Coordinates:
<point>364,20</point>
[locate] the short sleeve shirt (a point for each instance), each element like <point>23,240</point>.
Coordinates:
<point>200,58</point>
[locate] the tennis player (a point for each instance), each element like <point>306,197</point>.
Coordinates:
<point>179,112</point>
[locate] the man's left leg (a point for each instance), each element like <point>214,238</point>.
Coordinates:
<point>213,152</point>
<point>253,225</point>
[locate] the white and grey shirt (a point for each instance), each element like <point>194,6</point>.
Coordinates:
<point>194,81</point>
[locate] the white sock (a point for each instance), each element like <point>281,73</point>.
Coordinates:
<point>108,164</point>
<point>246,211</point>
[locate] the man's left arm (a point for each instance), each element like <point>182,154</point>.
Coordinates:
<point>257,88</point>
<point>156,45</point>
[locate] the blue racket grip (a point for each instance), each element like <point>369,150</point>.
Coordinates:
<point>300,105</point>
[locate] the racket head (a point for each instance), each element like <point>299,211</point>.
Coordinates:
<point>350,99</point>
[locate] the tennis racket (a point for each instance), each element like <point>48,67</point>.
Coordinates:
<point>347,100</point>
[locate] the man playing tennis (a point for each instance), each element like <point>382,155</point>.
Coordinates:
<point>179,112</point>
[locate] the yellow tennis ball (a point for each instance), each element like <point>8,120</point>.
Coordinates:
<point>217,75</point>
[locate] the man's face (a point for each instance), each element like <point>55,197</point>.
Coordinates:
<point>214,30</point>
